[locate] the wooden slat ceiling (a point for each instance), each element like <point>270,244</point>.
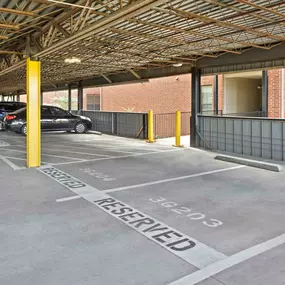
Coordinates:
<point>111,36</point>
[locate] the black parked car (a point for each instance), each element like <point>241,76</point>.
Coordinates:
<point>52,119</point>
<point>8,107</point>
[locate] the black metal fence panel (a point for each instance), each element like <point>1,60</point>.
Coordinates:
<point>257,137</point>
<point>133,125</point>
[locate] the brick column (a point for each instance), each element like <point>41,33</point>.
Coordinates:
<point>283,93</point>
<point>274,93</point>
<point>221,92</point>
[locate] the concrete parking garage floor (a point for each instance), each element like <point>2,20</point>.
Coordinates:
<point>105,210</point>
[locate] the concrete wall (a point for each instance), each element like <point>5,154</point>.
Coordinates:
<point>242,95</point>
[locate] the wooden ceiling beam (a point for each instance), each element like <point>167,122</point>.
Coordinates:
<point>231,17</point>
<point>106,77</point>
<point>272,11</point>
<point>73,6</point>
<point>241,11</point>
<point>10,52</point>
<point>200,34</point>
<point>224,24</point>
<point>62,30</point>
<point>9,26</point>
<point>17,12</point>
<point>179,42</point>
<point>45,2</point>
<point>135,74</point>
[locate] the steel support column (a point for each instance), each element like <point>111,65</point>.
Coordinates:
<point>18,98</point>
<point>69,98</point>
<point>195,105</point>
<point>265,92</point>
<point>80,96</point>
<point>216,94</point>
<point>42,97</point>
<point>33,128</point>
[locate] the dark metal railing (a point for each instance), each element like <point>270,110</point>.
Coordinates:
<point>124,124</point>
<point>256,114</point>
<point>212,112</point>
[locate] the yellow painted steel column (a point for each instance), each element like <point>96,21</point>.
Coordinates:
<point>33,113</point>
<point>150,127</point>
<point>178,130</point>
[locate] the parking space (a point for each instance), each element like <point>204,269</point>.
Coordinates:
<point>120,211</point>
<point>68,148</point>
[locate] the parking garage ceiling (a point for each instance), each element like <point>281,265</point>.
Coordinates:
<point>130,38</point>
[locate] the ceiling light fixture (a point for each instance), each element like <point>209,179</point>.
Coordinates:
<point>72,60</point>
<point>178,64</point>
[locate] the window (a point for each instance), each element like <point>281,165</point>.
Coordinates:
<point>45,111</point>
<point>206,98</point>
<point>58,112</point>
<point>93,102</point>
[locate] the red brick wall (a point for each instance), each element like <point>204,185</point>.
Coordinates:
<point>163,95</point>
<point>90,91</point>
<point>274,93</point>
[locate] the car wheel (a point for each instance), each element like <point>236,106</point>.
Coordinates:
<point>80,128</point>
<point>24,130</point>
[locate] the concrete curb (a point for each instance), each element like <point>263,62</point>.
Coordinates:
<point>95,133</point>
<point>251,163</point>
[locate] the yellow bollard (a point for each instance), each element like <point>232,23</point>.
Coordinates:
<point>150,127</point>
<point>178,130</point>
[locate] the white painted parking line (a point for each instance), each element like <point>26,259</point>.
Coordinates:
<point>68,198</point>
<point>89,147</point>
<point>111,145</point>
<point>172,179</point>
<point>51,155</point>
<point>124,146</point>
<point>10,163</point>
<point>231,261</point>
<point>18,158</point>
<point>76,152</point>
<point>183,246</point>
<point>118,157</point>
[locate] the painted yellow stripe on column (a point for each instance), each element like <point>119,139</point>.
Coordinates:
<point>150,127</point>
<point>178,129</point>
<point>33,114</point>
